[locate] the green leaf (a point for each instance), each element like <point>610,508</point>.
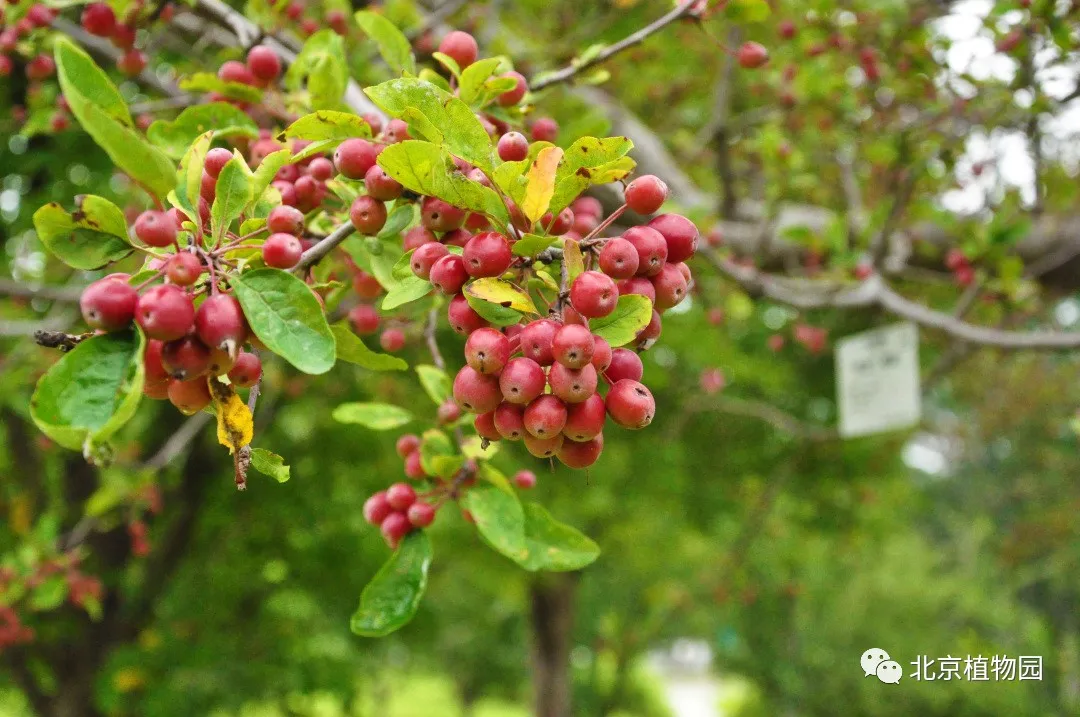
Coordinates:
<point>437,116</point>
<point>322,65</point>
<point>751,10</point>
<point>448,62</point>
<point>393,45</point>
<point>94,86</point>
<point>328,125</point>
<point>436,383</point>
<point>287,318</point>
<point>532,244</point>
<point>351,349</point>
<point>399,220</point>
<point>493,313</point>
<point>501,293</point>
<point>189,176</point>
<point>207,82</point>
<point>631,315</point>
<point>91,392</point>
<point>434,446</point>
<point>266,171</point>
<point>492,475</point>
<point>500,520</point>
<point>270,464</point>
<point>392,597</point>
<point>427,169</point>
<point>91,237</point>
<point>96,103</point>
<point>553,545</point>
<point>376,416</point>
<point>222,118</point>
<point>474,76</point>
<point>405,290</point>
<point>233,193</point>
<point>540,183</point>
<point>589,161</point>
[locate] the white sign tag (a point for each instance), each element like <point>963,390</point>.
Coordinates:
<point>877,380</point>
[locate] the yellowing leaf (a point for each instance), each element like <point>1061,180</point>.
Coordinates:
<point>502,293</point>
<point>235,426</point>
<point>541,183</point>
<point>575,263</point>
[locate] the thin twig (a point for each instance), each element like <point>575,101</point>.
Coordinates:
<point>429,337</point>
<point>325,246</point>
<point>178,442</point>
<point>548,79</point>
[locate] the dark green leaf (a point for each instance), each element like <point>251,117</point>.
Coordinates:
<point>390,600</point>
<point>630,316</point>
<point>351,349</point>
<point>552,545</point>
<point>92,391</point>
<point>376,416</point>
<point>287,318</point>
<point>500,520</point>
<point>224,119</point>
<point>393,45</point>
<point>94,235</point>
<point>270,464</point>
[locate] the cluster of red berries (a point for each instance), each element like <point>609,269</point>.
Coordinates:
<point>186,344</point>
<point>398,509</point>
<point>37,16</point>
<point>537,382</point>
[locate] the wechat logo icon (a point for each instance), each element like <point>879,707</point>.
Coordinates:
<point>877,662</point>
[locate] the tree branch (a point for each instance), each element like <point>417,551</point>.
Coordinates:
<point>816,294</point>
<point>547,79</point>
<point>325,245</point>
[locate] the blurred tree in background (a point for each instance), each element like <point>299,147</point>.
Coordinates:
<point>892,160</point>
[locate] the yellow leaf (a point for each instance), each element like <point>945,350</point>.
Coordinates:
<point>502,293</point>
<point>541,183</point>
<point>575,263</point>
<point>235,426</point>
